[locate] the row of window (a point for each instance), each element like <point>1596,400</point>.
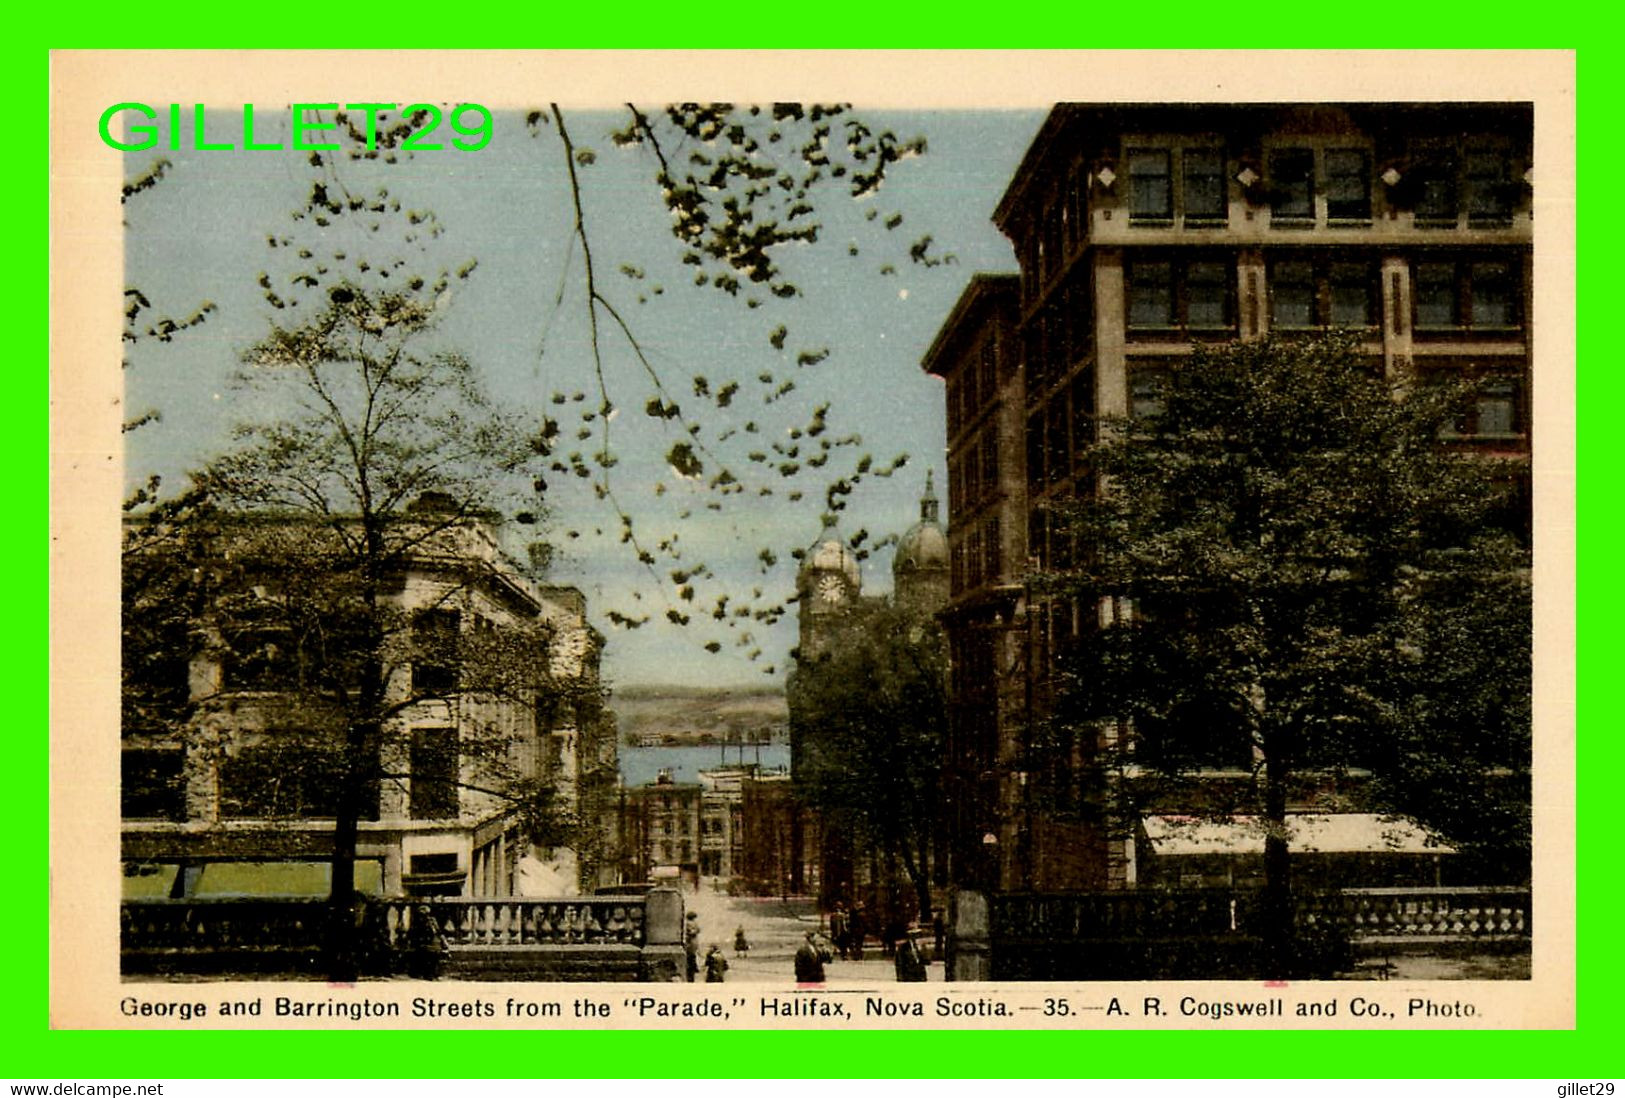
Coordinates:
<point>978,558</point>
<point>973,473</point>
<point>283,780</point>
<point>1497,407</point>
<point>1311,183</point>
<point>1196,293</point>
<point>1438,184</point>
<point>972,387</point>
<point>1059,430</point>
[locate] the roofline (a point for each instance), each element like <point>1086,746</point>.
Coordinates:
<point>981,288</point>
<point>1025,173</point>
<point>1063,115</point>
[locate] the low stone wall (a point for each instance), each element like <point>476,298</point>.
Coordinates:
<point>1214,933</point>
<point>589,938</point>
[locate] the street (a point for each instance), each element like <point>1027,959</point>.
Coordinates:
<point>775,928</point>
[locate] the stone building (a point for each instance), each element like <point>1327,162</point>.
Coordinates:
<point>1139,231</point>
<point>491,690</point>
<point>695,830</point>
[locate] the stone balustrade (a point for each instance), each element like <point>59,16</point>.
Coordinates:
<point>221,924</point>
<point>1439,913</point>
<point>636,937</point>
<point>1039,917</point>
<point>586,920</point>
<point>1217,933</point>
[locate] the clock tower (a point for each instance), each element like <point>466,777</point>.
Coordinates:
<point>827,587</point>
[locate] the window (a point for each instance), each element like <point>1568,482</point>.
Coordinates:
<point>1493,406</point>
<point>1083,410</point>
<point>1315,293</point>
<point>1348,187</point>
<point>270,780</point>
<point>1151,193</point>
<point>152,784</point>
<point>1194,293</point>
<point>425,864</point>
<point>1489,292</point>
<point>434,661</point>
<point>434,773</point>
<point>1434,285</point>
<point>1151,295</point>
<point>1059,455</point>
<point>1035,453</point>
<point>1292,172</point>
<point>1204,185</point>
<point>990,461</point>
<point>1145,392</point>
<point>1465,294</point>
<point>1077,204</point>
<point>1436,195</point>
<point>259,656</point>
<point>1038,537</point>
<point>1352,294</point>
<point>1207,288</point>
<point>1486,180</point>
<point>1292,294</point>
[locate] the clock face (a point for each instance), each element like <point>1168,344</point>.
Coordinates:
<point>831,589</point>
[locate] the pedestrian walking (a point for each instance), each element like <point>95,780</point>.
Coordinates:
<point>838,928</point>
<point>810,961</point>
<point>741,943</point>
<point>715,965</point>
<point>910,965</point>
<point>691,946</point>
<point>425,947</point>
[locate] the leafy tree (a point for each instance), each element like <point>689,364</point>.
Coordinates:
<point>361,410</point>
<point>1290,559</point>
<point>375,447</point>
<point>872,712</point>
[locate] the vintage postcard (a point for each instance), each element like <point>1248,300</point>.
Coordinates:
<point>1086,536</point>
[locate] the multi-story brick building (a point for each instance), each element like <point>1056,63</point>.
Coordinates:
<point>1141,230</point>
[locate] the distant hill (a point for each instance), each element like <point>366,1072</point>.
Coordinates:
<point>697,714</point>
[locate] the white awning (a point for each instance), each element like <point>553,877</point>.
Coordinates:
<point>1335,833</point>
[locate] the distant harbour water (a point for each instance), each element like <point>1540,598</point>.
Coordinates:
<point>642,765</point>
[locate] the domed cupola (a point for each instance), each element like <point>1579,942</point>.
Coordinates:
<point>920,565</point>
<point>925,545</point>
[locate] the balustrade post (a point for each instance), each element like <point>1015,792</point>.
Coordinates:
<point>969,943</point>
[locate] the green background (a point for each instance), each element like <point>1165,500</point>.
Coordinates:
<point>32,1050</point>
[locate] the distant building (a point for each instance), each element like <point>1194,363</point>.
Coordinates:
<point>697,830</point>
<point>234,791</point>
<point>1139,230</point>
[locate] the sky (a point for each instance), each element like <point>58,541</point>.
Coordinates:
<point>200,235</point>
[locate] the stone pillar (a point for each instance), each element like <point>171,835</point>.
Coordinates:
<point>664,960</point>
<point>1252,299</point>
<point>1396,313</point>
<point>1111,369</point>
<point>969,946</point>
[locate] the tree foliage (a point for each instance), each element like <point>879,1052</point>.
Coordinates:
<point>753,195</point>
<point>1293,557</point>
<point>871,714</point>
